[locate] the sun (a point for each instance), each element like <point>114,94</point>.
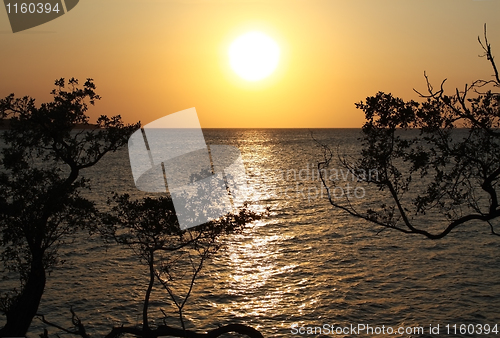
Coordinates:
<point>254,56</point>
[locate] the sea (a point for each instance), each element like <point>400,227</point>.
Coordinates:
<point>305,269</point>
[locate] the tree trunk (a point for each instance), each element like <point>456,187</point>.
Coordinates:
<point>25,307</point>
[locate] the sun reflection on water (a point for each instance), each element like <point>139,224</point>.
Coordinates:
<point>254,266</point>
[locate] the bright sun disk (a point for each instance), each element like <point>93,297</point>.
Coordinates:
<point>254,56</point>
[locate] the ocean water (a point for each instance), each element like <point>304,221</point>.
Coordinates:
<point>306,264</point>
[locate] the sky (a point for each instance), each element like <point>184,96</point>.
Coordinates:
<point>151,58</point>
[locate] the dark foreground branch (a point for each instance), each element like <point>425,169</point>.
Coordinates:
<point>164,330</point>
<point>407,227</point>
<point>160,331</point>
<point>77,323</point>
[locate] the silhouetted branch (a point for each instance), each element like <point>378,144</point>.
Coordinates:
<point>492,229</point>
<point>411,229</point>
<point>430,89</point>
<point>489,56</point>
<point>165,330</point>
<point>77,323</point>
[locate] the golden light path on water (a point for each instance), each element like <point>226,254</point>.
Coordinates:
<point>247,276</point>
<point>256,259</point>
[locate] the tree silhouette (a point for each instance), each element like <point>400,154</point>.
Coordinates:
<point>174,257</point>
<point>40,181</point>
<point>439,157</point>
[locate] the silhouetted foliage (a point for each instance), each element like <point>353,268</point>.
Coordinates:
<point>440,155</point>
<point>40,181</point>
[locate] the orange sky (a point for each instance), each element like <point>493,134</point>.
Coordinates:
<point>152,58</point>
